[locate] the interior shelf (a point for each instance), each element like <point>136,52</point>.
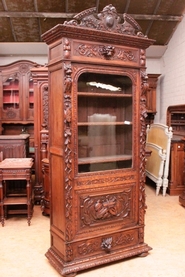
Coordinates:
<point>104,123</point>
<point>102,159</point>
<point>15,200</point>
<point>98,94</point>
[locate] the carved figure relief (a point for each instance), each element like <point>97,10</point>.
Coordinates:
<point>102,208</point>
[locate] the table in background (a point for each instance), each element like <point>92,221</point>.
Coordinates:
<point>12,169</point>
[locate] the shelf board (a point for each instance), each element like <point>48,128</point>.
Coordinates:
<point>104,159</point>
<point>99,94</point>
<point>12,103</point>
<point>104,123</point>
<point>15,200</point>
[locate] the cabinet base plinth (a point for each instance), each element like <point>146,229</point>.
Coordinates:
<point>71,268</point>
<point>182,199</point>
<point>175,191</point>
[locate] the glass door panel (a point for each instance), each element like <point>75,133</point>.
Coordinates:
<point>11,93</point>
<point>31,95</point>
<point>104,122</point>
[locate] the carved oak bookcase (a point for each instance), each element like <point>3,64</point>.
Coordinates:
<point>97,100</point>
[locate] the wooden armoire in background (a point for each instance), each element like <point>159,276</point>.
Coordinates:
<point>97,98</point>
<point>176,119</point>
<point>17,99</point>
<point>41,110</point>
<point>151,98</point>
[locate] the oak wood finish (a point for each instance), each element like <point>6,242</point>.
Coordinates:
<point>97,200</point>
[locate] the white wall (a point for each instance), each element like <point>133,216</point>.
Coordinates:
<point>41,60</point>
<point>171,84</point>
<point>171,66</point>
<point>11,52</point>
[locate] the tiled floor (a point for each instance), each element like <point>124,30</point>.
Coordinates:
<point>23,248</point>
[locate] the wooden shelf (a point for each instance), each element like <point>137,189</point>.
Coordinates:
<point>15,200</point>
<point>98,94</point>
<point>104,123</point>
<point>104,159</point>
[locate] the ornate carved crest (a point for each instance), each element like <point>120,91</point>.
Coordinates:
<point>107,20</point>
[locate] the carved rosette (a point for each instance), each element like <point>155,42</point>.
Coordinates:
<point>143,115</point>
<point>24,68</point>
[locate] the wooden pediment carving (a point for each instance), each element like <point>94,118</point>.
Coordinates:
<point>107,20</point>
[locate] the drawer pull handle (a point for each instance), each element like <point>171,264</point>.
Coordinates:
<point>106,244</point>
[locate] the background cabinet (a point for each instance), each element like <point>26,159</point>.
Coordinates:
<point>151,98</point>
<point>176,178</point>
<point>16,146</point>
<point>17,99</point>
<point>41,110</point>
<point>97,135</point>
<point>176,119</point>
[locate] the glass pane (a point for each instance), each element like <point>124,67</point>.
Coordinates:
<point>31,94</point>
<point>104,83</point>
<point>104,123</point>
<point>11,93</point>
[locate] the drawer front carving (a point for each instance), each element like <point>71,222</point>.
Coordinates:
<point>105,52</point>
<point>107,243</point>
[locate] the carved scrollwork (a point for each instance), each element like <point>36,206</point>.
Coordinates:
<point>107,20</point>
<point>87,248</point>
<point>106,52</point>
<point>106,243</point>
